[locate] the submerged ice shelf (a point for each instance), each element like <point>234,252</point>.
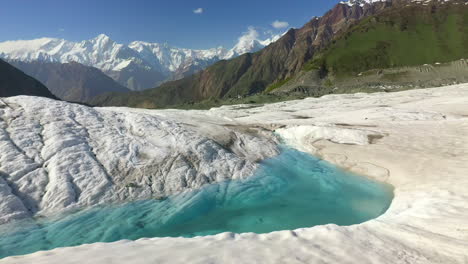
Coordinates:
<point>290,191</point>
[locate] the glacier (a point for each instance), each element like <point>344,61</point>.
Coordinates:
<point>58,156</point>
<point>415,140</point>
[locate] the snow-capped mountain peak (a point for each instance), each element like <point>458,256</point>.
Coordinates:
<point>112,57</point>
<point>170,58</point>
<point>102,38</point>
<point>104,53</point>
<point>100,52</point>
<point>361,2</point>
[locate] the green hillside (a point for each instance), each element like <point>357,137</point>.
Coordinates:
<point>405,36</point>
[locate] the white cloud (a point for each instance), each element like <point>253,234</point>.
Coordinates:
<point>198,11</point>
<point>250,35</point>
<point>280,24</point>
<point>249,41</point>
<point>61,29</point>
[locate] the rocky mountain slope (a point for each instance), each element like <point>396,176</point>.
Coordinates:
<point>139,65</point>
<point>70,81</point>
<point>253,73</point>
<point>15,82</point>
<point>57,156</point>
<point>417,45</point>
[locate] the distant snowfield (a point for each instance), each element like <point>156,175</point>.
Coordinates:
<point>415,140</point>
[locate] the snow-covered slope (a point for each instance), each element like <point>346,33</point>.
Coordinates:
<point>361,2</point>
<point>56,155</point>
<point>111,57</point>
<point>422,150</point>
<point>100,52</point>
<point>368,2</point>
<point>171,58</point>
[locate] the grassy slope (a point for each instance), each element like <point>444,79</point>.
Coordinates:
<point>400,37</point>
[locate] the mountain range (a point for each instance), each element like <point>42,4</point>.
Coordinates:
<point>137,66</point>
<point>352,37</point>
<point>72,81</point>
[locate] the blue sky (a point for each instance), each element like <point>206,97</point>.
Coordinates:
<point>215,22</point>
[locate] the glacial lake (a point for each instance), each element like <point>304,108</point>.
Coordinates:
<point>290,191</point>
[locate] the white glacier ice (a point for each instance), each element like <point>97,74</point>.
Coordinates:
<point>57,156</point>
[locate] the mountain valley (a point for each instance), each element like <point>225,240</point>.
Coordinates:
<point>368,29</point>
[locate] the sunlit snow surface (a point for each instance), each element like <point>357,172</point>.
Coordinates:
<point>290,191</point>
